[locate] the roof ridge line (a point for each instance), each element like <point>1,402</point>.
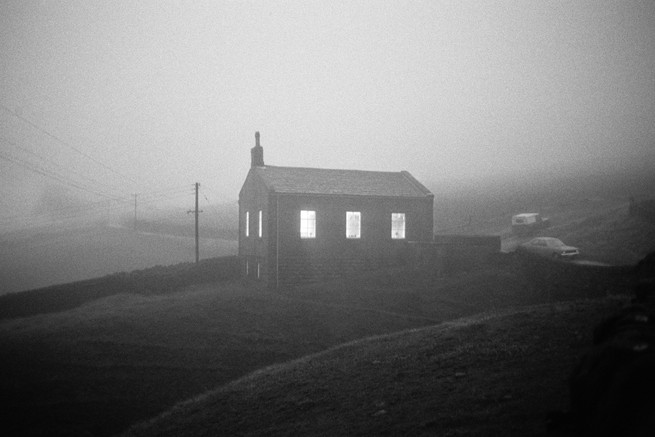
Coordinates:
<point>333,169</point>
<point>324,181</point>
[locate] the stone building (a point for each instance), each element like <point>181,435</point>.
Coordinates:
<point>300,225</point>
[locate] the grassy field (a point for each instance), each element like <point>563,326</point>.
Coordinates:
<point>98,368</point>
<point>497,373</point>
<point>39,258</point>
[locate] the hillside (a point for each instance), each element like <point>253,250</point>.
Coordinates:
<point>487,206</point>
<point>492,374</point>
<point>102,366</point>
<point>39,258</point>
<point>96,369</point>
<point>612,236</point>
<point>603,230</point>
<point>147,340</point>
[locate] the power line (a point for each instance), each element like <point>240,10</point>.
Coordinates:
<point>168,195</point>
<point>46,160</point>
<point>96,186</point>
<point>59,140</point>
<point>148,198</point>
<point>217,221</point>
<point>77,211</point>
<point>83,208</point>
<point>49,174</point>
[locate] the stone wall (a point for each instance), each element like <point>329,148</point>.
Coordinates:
<point>452,253</point>
<point>445,255</point>
<point>303,269</point>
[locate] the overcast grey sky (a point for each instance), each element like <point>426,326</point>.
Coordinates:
<point>130,97</point>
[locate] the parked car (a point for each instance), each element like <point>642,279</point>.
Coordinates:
<point>528,222</point>
<point>550,247</point>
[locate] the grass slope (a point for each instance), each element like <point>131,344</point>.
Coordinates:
<point>98,368</point>
<point>611,236</point>
<point>108,363</point>
<point>493,374</point>
<point>603,230</point>
<point>36,259</point>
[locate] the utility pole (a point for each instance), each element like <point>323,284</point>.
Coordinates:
<point>135,212</point>
<point>196,212</point>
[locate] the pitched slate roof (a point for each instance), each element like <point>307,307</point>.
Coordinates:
<point>298,180</point>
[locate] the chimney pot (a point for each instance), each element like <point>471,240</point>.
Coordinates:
<point>257,153</point>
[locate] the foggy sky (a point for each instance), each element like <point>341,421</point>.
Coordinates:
<point>152,96</point>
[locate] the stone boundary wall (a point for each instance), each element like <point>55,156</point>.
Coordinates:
<point>297,270</point>
<point>452,253</point>
<point>446,254</point>
<point>150,281</point>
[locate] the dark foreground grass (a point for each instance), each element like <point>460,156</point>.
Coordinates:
<point>490,375</point>
<point>98,368</point>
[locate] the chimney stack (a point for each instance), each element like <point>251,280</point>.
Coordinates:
<point>257,153</point>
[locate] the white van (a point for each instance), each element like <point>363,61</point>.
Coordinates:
<point>528,222</point>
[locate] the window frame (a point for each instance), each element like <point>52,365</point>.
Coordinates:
<point>247,230</point>
<point>395,216</point>
<point>358,234</point>
<point>260,224</point>
<point>307,224</point>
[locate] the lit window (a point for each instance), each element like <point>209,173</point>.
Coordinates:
<point>397,225</point>
<point>353,224</point>
<point>247,224</point>
<point>307,224</point>
<point>260,224</point>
